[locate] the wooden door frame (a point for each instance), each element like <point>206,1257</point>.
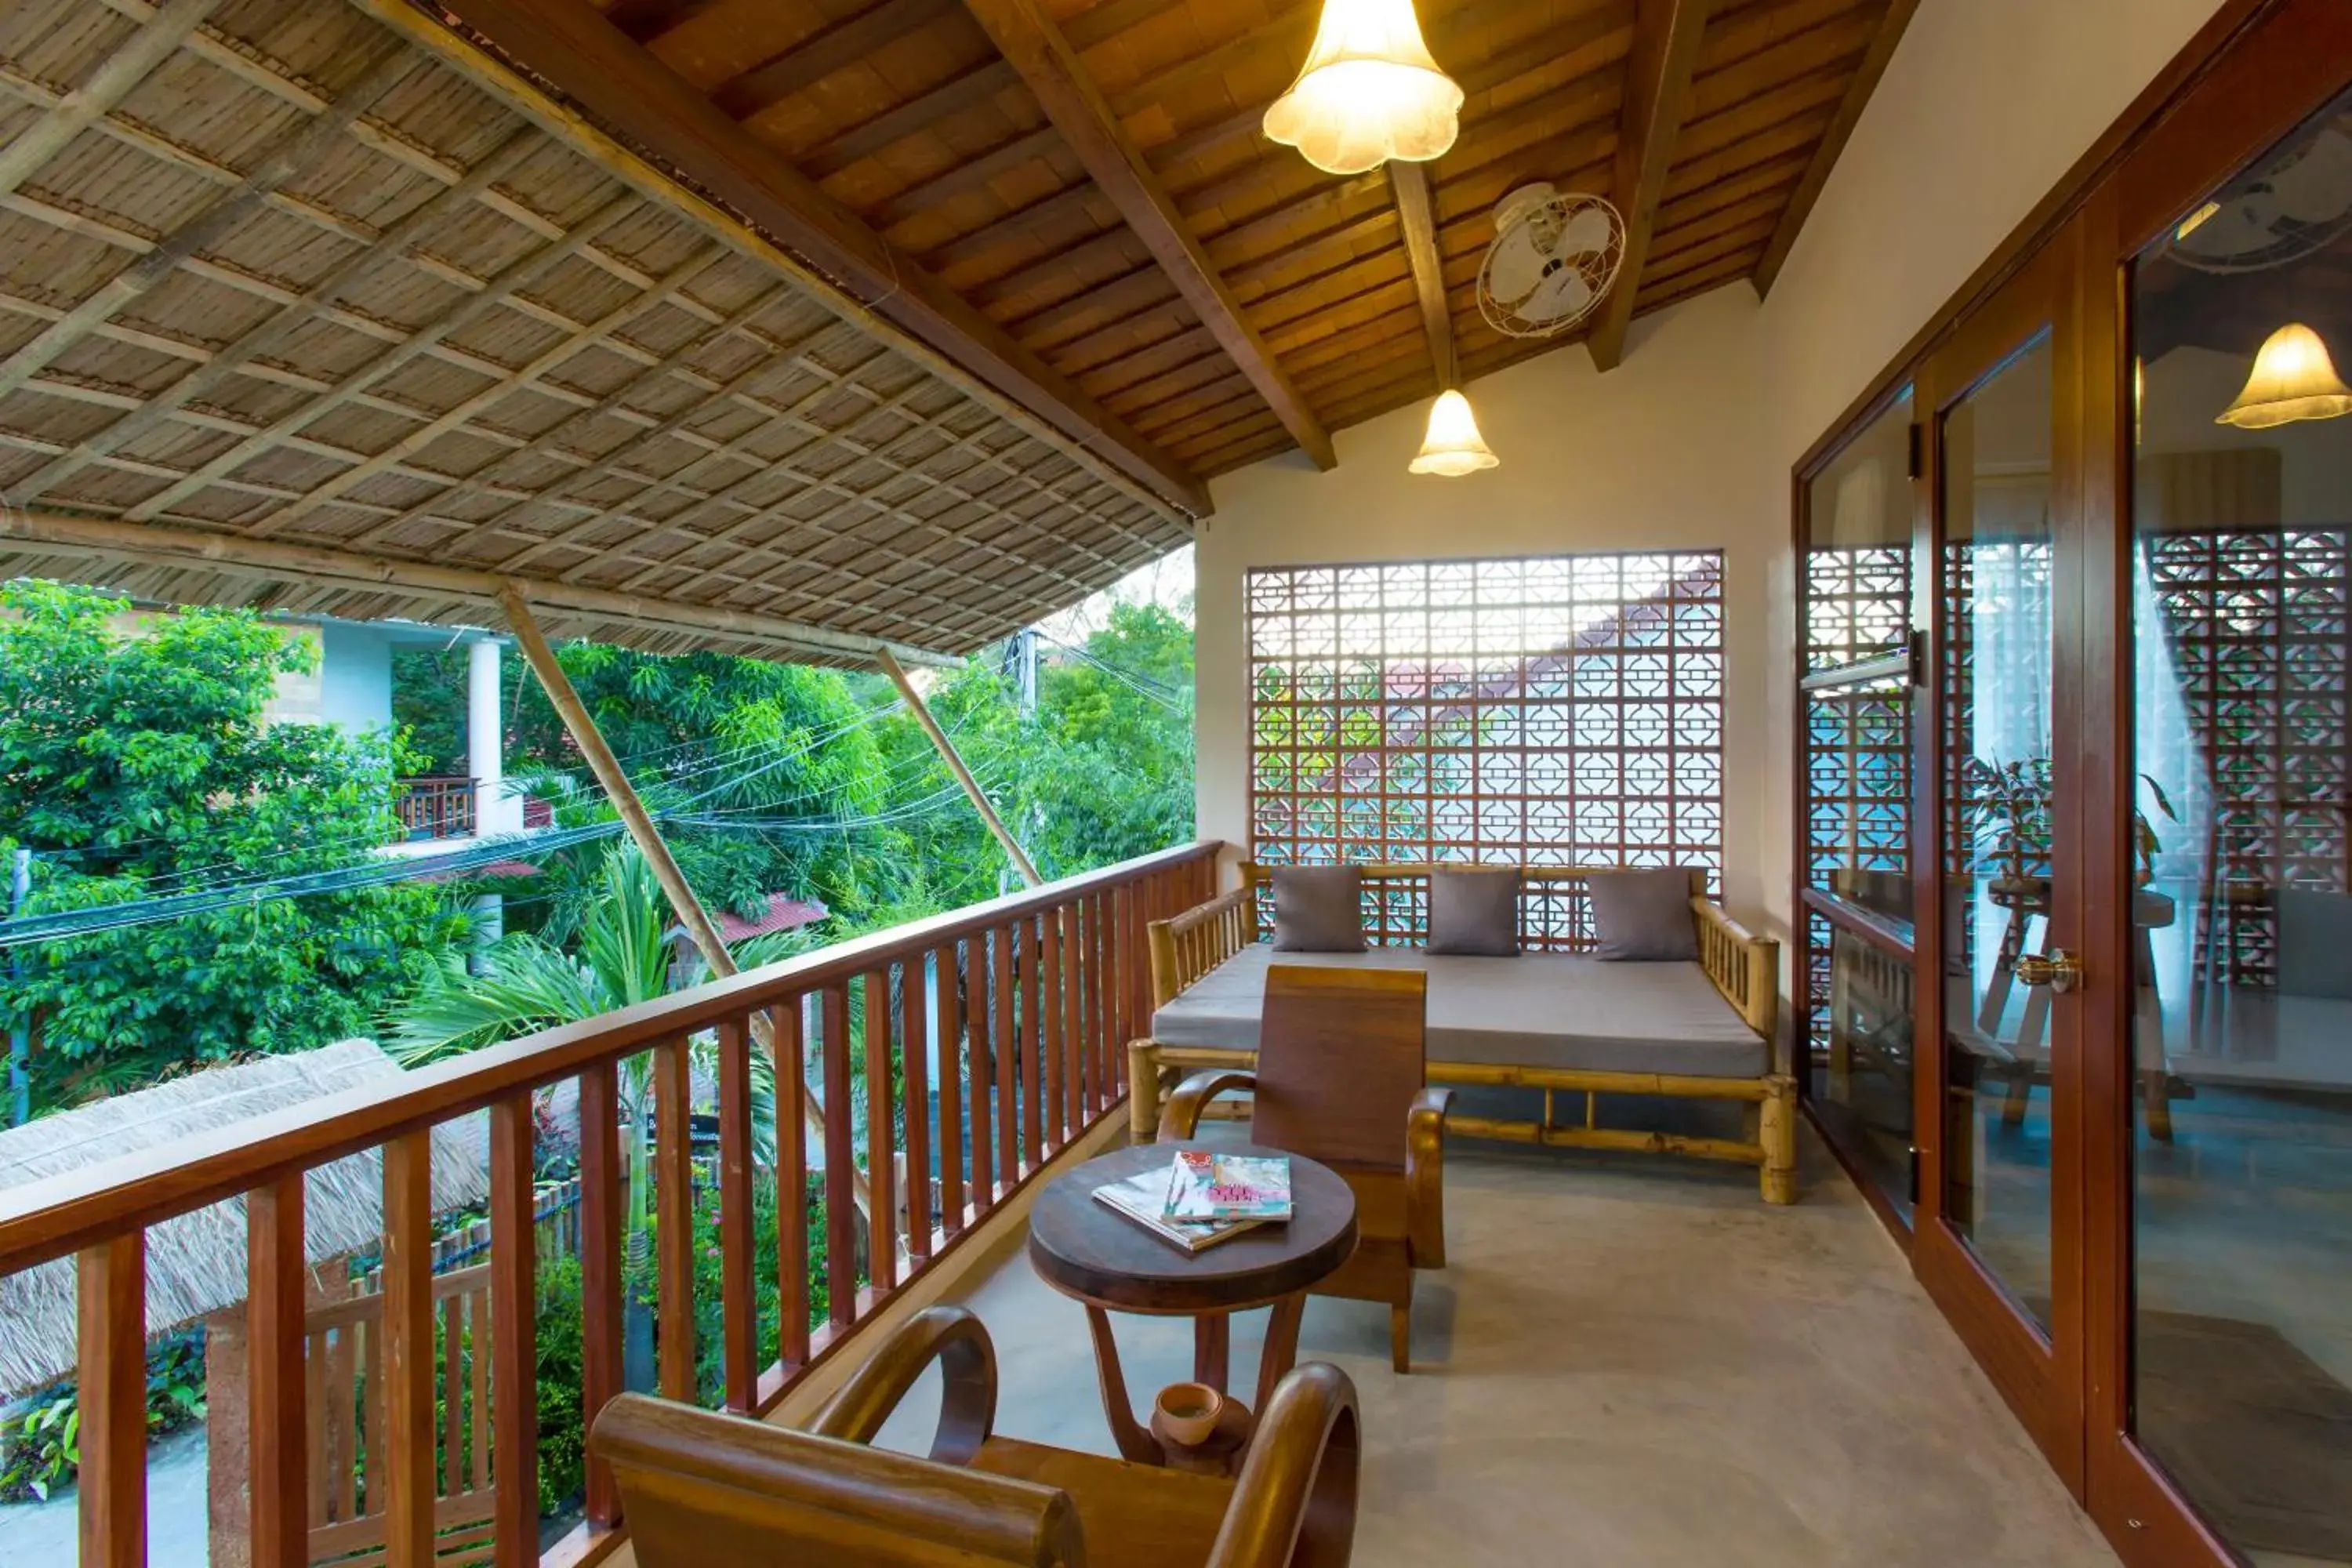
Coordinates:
<point>2039,1375</point>
<point>2274,75</point>
<point>2255,69</point>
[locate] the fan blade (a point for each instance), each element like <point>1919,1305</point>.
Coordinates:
<point>2317,186</point>
<point>1564,295</point>
<point>1588,230</point>
<point>1514,268</point>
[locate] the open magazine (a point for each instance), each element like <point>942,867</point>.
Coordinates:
<point>1144,1200</point>
<point>1209,1186</point>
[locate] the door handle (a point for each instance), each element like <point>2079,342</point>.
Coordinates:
<point>2059,970</point>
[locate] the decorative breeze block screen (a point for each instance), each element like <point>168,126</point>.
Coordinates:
<point>1562,710</point>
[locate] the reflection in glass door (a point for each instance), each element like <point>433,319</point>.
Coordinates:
<point>2240,567</point>
<point>1995,464</point>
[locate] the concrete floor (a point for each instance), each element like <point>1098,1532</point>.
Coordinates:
<point>1630,1362</point>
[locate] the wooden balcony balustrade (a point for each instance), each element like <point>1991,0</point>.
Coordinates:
<point>442,807</point>
<point>1038,994</point>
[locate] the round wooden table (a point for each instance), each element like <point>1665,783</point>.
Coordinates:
<point>1089,1251</point>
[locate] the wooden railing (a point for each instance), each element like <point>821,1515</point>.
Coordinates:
<point>437,807</point>
<point>1036,996</point>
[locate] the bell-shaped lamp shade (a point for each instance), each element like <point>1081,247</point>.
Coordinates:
<point>1368,93</point>
<point>1452,446</point>
<point>2292,379</point>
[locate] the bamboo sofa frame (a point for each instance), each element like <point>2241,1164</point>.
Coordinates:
<point>1744,968</point>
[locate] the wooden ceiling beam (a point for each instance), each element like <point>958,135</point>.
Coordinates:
<point>573,50</point>
<point>1415,212</point>
<point>1833,142</point>
<point>1029,40</point>
<point>1666,37</point>
<point>822,53</point>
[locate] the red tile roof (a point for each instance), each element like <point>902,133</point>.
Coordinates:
<point>784,913</point>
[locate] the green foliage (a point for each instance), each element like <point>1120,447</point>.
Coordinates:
<point>140,763</point>
<point>40,1445</point>
<point>720,733</point>
<point>429,691</point>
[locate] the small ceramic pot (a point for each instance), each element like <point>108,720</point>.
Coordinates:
<point>1189,1411</point>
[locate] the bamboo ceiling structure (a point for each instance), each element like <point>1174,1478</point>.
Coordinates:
<point>806,329</point>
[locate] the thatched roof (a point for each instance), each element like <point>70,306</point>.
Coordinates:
<point>197,1263</point>
<point>298,313</point>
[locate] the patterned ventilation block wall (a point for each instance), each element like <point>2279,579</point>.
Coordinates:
<point>1857,739</point>
<point>1556,711</point>
<point>2256,623</point>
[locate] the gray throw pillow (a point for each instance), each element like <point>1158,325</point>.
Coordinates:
<point>1475,913</point>
<point>1318,909</point>
<point>1642,915</point>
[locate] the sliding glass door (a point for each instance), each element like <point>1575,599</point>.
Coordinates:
<point>2222,1418</point>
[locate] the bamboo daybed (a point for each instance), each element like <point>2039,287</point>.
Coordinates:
<point>1550,1018</point>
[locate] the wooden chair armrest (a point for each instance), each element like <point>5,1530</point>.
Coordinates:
<point>1425,1176</point>
<point>956,1339</point>
<point>1182,1116</point>
<point>1294,1503</point>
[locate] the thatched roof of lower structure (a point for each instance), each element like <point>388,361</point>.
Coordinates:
<point>301,310</point>
<point>197,1263</point>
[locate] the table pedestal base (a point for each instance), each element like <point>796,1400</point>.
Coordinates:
<point>1211,1354</point>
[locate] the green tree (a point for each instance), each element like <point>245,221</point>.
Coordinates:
<point>714,733</point>
<point>137,763</point>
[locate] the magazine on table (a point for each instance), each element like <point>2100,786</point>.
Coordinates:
<point>1144,1200</point>
<point>1209,1186</point>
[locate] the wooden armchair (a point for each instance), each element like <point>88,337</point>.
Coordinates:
<point>1341,1078</point>
<point>700,1488</point>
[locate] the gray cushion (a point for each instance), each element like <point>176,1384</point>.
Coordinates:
<point>1475,913</point>
<point>1560,1010</point>
<point>1318,909</point>
<point>1642,915</point>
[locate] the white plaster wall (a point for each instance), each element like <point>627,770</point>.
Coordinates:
<point>1661,454</point>
<point>1690,442</point>
<point>1985,106</point>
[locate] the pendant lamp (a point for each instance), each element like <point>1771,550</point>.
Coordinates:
<point>1452,446</point>
<point>1369,92</point>
<point>2292,379</point>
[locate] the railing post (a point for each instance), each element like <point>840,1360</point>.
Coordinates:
<point>982,1073</point>
<point>600,1269</point>
<point>514,1335</point>
<point>948,1029</point>
<point>882,1228</point>
<point>674,1221</point>
<point>408,1351</point>
<point>739,1299</point>
<point>277,1457</point>
<point>112,1291</point>
<point>1006,1048</point>
<point>840,1218</point>
<point>1033,1075</point>
<point>915,1070</point>
<point>791,1184</point>
<point>1074,1038</point>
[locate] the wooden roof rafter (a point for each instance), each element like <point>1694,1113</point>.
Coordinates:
<point>1657,97</point>
<point>1033,45</point>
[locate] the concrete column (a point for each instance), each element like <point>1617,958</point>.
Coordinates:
<point>494,810</point>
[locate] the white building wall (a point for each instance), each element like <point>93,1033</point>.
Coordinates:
<point>355,677</point>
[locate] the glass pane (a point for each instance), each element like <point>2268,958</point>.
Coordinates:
<point>1996,445</point>
<point>1861,1053</point>
<point>2243,1026</point>
<point>1858,608</point>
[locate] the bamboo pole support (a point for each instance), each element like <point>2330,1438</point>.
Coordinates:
<point>682,897</point>
<point>898,674</point>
